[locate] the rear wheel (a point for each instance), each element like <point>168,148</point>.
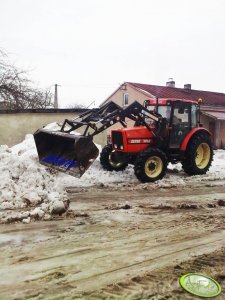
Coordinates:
<point>150,165</point>
<point>199,155</point>
<point>110,159</point>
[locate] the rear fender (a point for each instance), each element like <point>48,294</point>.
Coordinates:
<point>190,135</point>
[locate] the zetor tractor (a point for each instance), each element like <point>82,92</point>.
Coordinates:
<point>164,130</point>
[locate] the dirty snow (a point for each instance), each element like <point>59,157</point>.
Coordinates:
<point>31,187</point>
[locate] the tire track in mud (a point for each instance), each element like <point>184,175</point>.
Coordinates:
<point>175,253</point>
<point>107,256</point>
<point>103,275</point>
<point>163,283</point>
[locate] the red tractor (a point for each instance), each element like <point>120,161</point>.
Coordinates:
<point>164,130</point>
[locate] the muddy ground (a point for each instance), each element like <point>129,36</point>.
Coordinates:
<point>119,242</point>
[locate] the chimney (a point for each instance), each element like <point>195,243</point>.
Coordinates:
<point>187,86</point>
<point>123,87</point>
<point>170,83</point>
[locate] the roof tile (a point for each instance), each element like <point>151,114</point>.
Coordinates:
<point>209,98</point>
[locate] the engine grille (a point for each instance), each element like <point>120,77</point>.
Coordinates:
<point>117,139</point>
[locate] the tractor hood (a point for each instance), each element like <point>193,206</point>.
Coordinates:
<point>132,140</point>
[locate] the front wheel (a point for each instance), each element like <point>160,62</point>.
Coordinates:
<point>110,159</point>
<point>150,165</point>
<point>199,155</point>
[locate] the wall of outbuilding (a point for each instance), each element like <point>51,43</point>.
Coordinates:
<point>15,125</point>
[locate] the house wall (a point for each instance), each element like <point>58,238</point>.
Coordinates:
<point>217,130</point>
<point>205,120</point>
<point>222,134</point>
<point>133,95</point>
<point>14,126</point>
<point>117,97</point>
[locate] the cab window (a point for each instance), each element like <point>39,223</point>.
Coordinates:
<point>165,112</point>
<point>193,116</point>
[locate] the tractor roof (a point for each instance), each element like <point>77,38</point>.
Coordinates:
<point>164,101</point>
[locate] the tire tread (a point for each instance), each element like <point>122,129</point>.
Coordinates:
<point>140,163</point>
<point>188,163</point>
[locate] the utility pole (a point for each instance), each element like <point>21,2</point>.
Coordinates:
<point>56,96</point>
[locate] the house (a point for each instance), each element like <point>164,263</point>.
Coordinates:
<point>212,108</point>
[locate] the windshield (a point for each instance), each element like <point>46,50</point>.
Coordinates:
<point>165,111</point>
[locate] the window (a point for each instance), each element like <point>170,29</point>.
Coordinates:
<point>165,112</point>
<point>125,99</point>
<point>180,116</point>
<point>193,116</point>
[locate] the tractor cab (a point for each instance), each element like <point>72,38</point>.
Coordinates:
<point>183,119</point>
<point>181,116</point>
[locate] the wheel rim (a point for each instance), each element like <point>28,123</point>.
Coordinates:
<point>113,160</point>
<point>153,166</point>
<point>202,155</point>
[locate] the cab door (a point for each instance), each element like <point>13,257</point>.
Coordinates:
<point>180,123</point>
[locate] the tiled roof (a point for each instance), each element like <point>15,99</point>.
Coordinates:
<point>209,98</point>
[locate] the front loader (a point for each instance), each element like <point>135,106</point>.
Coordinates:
<point>164,130</point>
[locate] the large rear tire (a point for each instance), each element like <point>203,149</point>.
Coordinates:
<point>110,160</point>
<point>150,165</point>
<point>199,155</point>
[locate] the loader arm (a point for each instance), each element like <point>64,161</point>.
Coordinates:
<point>110,114</point>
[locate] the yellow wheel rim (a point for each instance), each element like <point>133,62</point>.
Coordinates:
<point>202,155</point>
<point>153,166</point>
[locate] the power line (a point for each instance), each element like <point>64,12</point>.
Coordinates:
<point>89,85</point>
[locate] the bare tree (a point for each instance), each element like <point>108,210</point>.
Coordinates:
<point>17,90</point>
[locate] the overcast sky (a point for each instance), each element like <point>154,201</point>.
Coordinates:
<point>89,47</point>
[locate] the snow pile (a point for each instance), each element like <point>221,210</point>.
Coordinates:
<point>26,184</point>
<point>38,192</point>
<point>217,170</point>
